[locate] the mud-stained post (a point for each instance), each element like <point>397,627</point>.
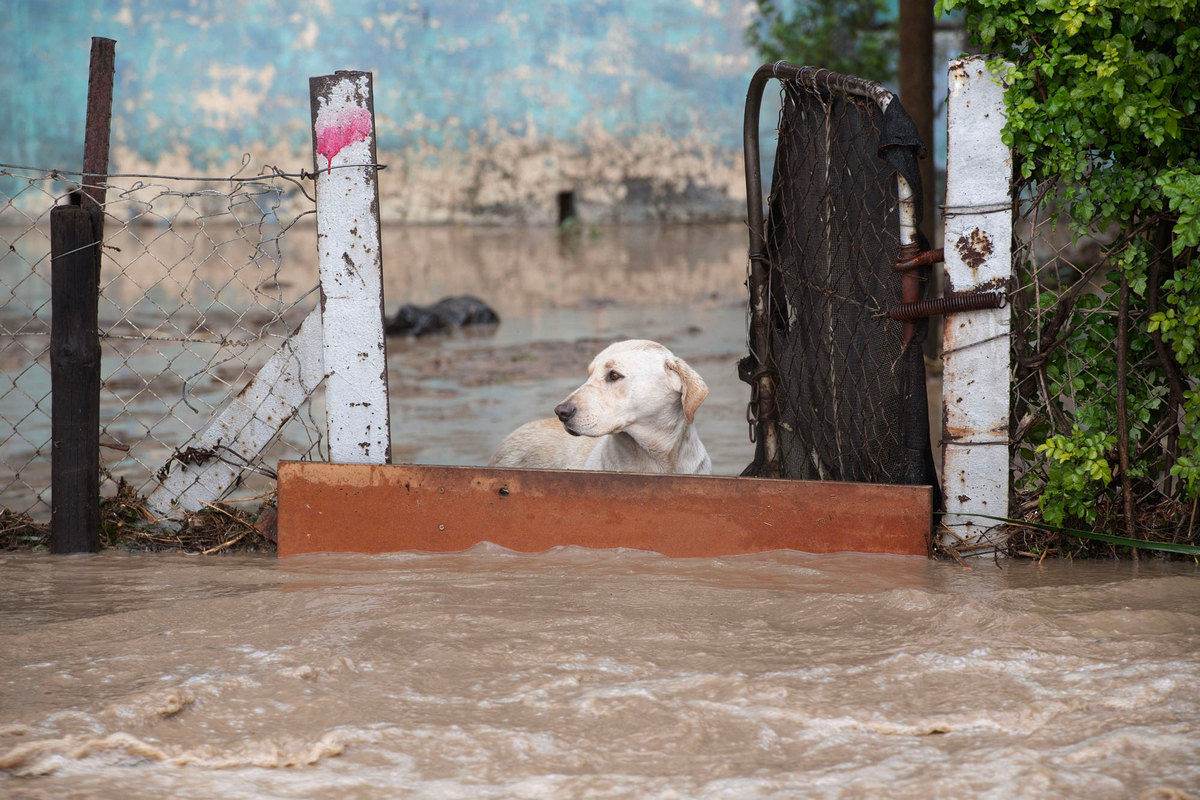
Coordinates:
<point>351,267</point>
<point>975,344</point>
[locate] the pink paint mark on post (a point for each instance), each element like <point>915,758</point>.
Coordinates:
<point>346,127</point>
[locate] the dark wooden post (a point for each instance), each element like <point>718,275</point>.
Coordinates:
<point>99,122</point>
<point>916,90</point>
<point>75,236</point>
<point>74,381</point>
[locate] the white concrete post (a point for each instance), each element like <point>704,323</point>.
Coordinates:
<point>215,458</point>
<point>350,262</point>
<point>975,344</point>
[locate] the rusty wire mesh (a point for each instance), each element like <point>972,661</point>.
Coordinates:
<point>201,281</point>
<point>1073,361</point>
<point>832,235</point>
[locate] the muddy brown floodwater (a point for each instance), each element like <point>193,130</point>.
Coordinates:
<point>597,674</point>
<point>610,674</point>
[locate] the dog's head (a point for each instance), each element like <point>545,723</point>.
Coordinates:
<point>631,383</point>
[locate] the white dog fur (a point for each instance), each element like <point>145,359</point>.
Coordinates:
<point>634,414</point>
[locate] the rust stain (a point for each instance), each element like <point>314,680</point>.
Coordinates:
<point>970,436</point>
<point>449,509</point>
<point>974,248</point>
<point>954,433</point>
<point>994,285</point>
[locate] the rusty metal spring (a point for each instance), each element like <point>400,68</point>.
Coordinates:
<point>950,304</point>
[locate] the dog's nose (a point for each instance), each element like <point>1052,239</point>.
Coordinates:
<point>564,411</point>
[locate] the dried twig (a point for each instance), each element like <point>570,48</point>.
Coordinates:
<point>229,543</point>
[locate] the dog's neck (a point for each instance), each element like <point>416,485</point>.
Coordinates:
<point>656,450</point>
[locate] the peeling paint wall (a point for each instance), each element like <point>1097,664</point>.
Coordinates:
<point>485,111</point>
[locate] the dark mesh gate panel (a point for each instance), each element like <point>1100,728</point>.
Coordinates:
<point>848,396</point>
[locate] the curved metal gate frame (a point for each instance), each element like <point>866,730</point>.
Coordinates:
<point>763,412</point>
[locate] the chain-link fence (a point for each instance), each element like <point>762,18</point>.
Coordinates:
<point>1097,395</point>
<point>199,286</point>
<point>849,382</point>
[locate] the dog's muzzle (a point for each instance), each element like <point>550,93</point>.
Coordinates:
<point>565,411</point>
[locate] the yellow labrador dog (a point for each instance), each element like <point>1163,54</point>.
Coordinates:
<point>634,414</point>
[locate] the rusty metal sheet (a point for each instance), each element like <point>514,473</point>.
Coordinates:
<point>371,508</point>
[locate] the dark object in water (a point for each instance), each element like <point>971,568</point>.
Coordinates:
<point>440,317</point>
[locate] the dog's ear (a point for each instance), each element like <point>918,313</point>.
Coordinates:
<point>693,388</point>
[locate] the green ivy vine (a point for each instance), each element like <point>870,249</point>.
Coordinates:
<point>1103,101</point>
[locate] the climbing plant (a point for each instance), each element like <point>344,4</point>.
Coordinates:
<point>1103,103</point>
<point>853,37</point>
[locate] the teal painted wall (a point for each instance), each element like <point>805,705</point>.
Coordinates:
<point>623,101</point>
<point>212,79</point>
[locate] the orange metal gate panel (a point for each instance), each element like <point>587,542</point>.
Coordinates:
<point>366,508</point>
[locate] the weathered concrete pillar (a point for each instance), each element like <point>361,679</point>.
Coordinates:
<point>244,427</point>
<point>975,344</point>
<point>351,267</point>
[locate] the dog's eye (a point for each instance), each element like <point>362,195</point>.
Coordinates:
<point>613,376</point>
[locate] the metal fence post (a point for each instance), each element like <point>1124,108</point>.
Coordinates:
<point>975,344</point>
<point>350,262</point>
